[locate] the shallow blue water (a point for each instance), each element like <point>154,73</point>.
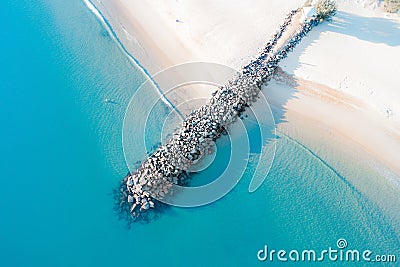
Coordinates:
<point>61,157</point>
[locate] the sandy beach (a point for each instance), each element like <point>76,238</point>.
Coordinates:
<point>341,79</point>
<point>297,154</point>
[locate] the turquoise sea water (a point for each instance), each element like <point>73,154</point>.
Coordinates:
<point>61,157</point>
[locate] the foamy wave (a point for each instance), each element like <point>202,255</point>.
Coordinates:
<point>95,11</point>
<point>113,35</point>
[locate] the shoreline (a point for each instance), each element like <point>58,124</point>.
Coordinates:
<point>150,31</point>
<point>98,13</point>
<point>161,176</point>
<point>154,62</point>
<point>342,116</point>
<point>360,163</point>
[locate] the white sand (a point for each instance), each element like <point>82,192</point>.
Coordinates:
<point>358,53</point>
<point>226,32</point>
<point>355,58</point>
<point>337,114</point>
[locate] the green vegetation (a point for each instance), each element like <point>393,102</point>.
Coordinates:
<point>391,6</point>
<point>326,8</point>
<point>308,3</point>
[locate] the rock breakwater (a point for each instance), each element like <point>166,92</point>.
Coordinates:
<point>144,189</point>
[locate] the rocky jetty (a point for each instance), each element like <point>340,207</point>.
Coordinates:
<point>170,162</point>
